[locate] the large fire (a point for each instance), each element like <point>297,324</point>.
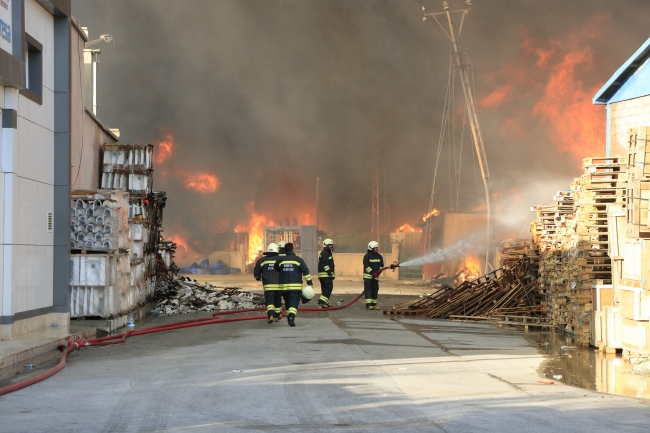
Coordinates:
<point>255,232</point>
<point>553,76</point>
<point>434,212</point>
<point>184,251</point>
<point>201,182</point>
<point>471,269</point>
<point>406,228</point>
<point>165,147</point>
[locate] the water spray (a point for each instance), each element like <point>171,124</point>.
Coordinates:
<point>460,249</point>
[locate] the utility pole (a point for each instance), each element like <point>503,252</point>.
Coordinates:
<point>462,65</point>
<point>375,197</point>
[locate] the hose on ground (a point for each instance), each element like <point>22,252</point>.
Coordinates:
<point>121,338</point>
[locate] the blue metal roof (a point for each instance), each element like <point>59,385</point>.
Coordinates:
<point>619,79</point>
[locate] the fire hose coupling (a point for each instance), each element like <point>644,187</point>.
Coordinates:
<point>392,267</point>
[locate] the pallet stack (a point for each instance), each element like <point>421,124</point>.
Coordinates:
<point>503,292</point>
<point>574,250</point>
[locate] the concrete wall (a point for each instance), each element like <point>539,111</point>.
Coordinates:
<point>351,265</point>
<point>463,227</point>
<point>230,258</point>
<point>622,116</point>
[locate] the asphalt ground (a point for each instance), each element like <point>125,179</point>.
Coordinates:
<point>344,371</point>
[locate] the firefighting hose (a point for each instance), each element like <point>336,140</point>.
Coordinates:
<point>121,338</point>
<point>392,267</point>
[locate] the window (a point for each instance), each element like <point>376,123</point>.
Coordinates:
<point>33,70</point>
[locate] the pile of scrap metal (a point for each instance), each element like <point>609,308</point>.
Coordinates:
<point>498,296</point>
<point>184,295</point>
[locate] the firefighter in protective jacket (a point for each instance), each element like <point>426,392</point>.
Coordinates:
<point>265,271</point>
<point>326,273</point>
<point>372,262</point>
<point>292,269</point>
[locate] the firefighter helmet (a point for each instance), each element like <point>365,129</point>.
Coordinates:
<point>327,242</point>
<point>372,245</point>
<point>281,244</point>
<point>272,248</point>
<point>307,294</point>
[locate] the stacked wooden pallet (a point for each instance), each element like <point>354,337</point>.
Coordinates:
<point>503,292</point>
<point>574,253</point>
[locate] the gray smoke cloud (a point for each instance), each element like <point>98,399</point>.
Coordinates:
<point>269,94</point>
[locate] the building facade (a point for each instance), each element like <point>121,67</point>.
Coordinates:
<point>50,143</point>
<point>622,312</point>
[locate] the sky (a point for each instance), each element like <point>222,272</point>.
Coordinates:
<point>249,101</point>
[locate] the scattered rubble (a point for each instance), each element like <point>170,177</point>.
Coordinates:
<point>184,295</point>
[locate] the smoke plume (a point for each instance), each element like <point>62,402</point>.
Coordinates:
<point>249,101</point>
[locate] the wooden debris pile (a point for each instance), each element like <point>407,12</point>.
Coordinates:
<point>513,250</point>
<point>505,291</point>
<point>187,296</point>
<point>573,239</point>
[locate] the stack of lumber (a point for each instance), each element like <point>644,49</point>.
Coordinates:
<point>510,251</point>
<point>501,292</point>
<point>574,246</point>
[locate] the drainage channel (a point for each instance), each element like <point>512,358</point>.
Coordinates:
<point>588,368</point>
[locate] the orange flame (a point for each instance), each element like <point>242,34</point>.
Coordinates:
<point>201,182</point>
<point>184,252</point>
<point>434,212</point>
<point>552,76</point>
<point>406,228</point>
<point>471,269</point>
<point>255,232</point>
<point>165,147</point>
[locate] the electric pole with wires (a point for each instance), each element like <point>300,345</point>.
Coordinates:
<point>462,64</point>
<point>375,223</point>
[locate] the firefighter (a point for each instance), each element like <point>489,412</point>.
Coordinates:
<point>281,245</point>
<point>372,263</point>
<point>265,271</point>
<point>326,273</point>
<point>292,269</point>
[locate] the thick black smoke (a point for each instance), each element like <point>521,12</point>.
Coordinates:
<point>270,94</point>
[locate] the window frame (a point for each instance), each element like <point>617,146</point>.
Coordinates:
<point>33,70</point>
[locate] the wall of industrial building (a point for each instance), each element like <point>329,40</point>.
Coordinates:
<point>623,115</point>
<point>88,133</point>
<point>35,167</point>
<point>351,264</point>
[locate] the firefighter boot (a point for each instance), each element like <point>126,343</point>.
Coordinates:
<point>271,317</point>
<point>291,318</point>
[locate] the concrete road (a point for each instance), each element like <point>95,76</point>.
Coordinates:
<point>346,371</point>
<point>344,285</point>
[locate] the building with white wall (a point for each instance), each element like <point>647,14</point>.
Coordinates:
<point>34,164</point>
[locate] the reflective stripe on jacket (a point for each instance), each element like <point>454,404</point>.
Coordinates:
<point>291,270</point>
<point>265,270</point>
<point>325,264</point>
<point>372,262</point>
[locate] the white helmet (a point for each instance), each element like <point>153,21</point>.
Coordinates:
<point>307,294</point>
<point>327,242</point>
<point>281,244</point>
<point>372,245</point>
<point>272,248</point>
